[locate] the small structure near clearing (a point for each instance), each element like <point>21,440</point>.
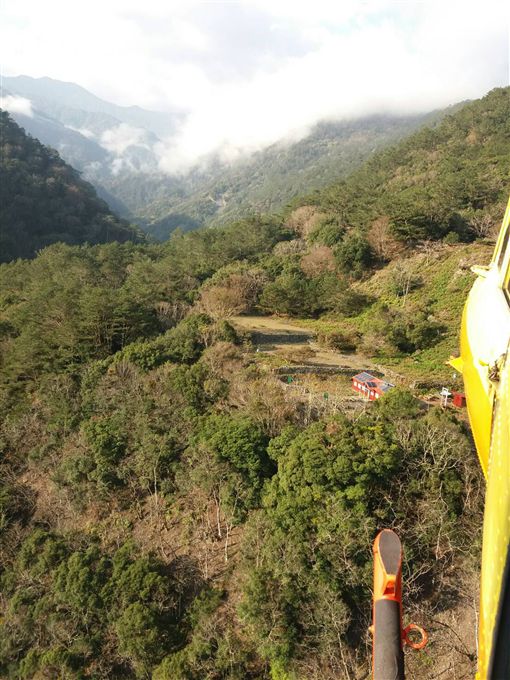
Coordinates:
<point>459,399</point>
<point>369,385</point>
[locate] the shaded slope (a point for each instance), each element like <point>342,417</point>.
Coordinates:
<point>44,200</point>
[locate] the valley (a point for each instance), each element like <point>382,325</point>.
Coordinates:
<point>116,149</point>
<point>175,504</point>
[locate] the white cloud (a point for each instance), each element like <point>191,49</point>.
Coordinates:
<point>92,168</point>
<point>16,104</point>
<point>250,73</point>
<point>119,164</point>
<point>121,137</point>
<point>83,131</point>
<point>376,68</point>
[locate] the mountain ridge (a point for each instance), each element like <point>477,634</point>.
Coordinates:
<point>57,95</point>
<point>171,508</point>
<point>263,182</point>
<point>44,200</point>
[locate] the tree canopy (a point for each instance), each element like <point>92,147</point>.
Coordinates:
<point>43,200</point>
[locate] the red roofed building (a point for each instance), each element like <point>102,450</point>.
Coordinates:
<point>370,386</point>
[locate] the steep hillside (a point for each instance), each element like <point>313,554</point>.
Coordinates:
<point>76,149</point>
<point>265,181</point>
<point>43,200</point>
<point>451,177</point>
<point>97,144</point>
<point>170,507</point>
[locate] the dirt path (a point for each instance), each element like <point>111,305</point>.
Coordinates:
<point>315,354</point>
<point>261,324</point>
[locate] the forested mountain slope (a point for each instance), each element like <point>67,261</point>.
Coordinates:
<point>264,181</point>
<point>74,147</point>
<point>98,138</point>
<point>170,508</point>
<point>118,150</point>
<point>440,179</point>
<point>44,200</point>
<point>437,178</point>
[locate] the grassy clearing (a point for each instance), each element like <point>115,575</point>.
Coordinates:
<point>443,279</point>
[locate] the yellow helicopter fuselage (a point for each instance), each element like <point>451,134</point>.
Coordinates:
<point>485,335</point>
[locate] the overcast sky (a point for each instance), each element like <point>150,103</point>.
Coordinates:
<point>250,73</point>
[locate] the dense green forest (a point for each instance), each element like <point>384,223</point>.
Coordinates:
<point>262,182</point>
<point>165,509</point>
<point>443,180</point>
<point>168,508</point>
<point>44,200</point>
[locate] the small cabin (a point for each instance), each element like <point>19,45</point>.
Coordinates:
<point>459,399</point>
<point>371,387</point>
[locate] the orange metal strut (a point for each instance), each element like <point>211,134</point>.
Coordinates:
<point>388,633</point>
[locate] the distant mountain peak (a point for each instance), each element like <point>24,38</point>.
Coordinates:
<point>62,98</point>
